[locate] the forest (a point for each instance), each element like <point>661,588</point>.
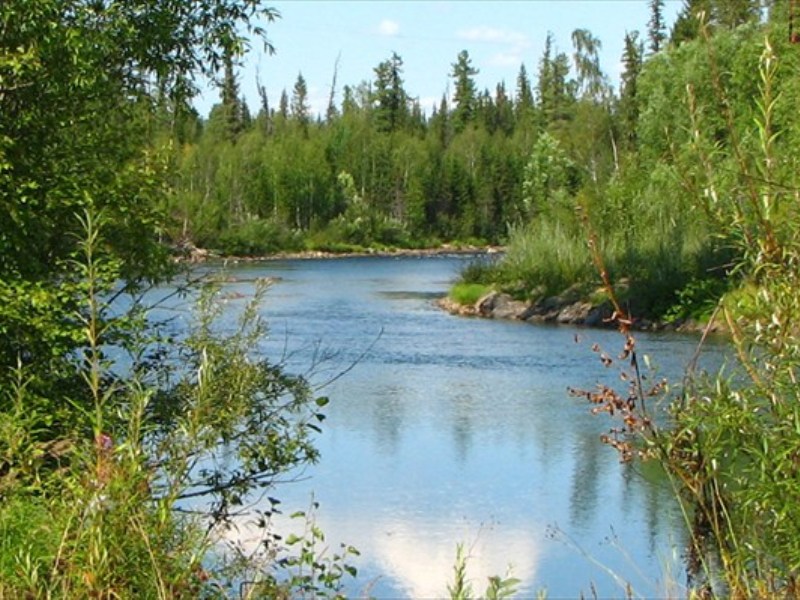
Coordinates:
<point>674,194</point>
<point>528,167</point>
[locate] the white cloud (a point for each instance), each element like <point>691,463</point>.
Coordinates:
<point>494,36</point>
<point>506,59</point>
<point>389,28</point>
<point>515,43</point>
<point>412,560</point>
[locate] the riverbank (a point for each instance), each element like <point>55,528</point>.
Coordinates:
<point>193,254</point>
<point>566,310</point>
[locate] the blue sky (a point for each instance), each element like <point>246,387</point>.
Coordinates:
<point>428,35</point>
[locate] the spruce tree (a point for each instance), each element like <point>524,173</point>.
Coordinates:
<point>465,97</point>
<point>656,32</point>
<point>629,102</point>
<point>299,107</point>
<point>391,99</point>
<point>523,102</point>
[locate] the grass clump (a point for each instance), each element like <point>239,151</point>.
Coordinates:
<point>467,294</point>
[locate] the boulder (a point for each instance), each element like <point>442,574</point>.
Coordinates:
<point>497,305</point>
<point>576,313</point>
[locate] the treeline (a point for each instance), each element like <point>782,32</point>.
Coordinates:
<point>375,170</point>
<point>280,177</point>
<point>531,163</point>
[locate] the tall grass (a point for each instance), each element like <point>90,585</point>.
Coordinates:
<point>544,258</point>
<point>655,260</point>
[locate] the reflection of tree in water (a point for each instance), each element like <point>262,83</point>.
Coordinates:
<point>388,414</point>
<point>659,504</point>
<point>462,418</point>
<point>585,480</point>
<point>551,417</point>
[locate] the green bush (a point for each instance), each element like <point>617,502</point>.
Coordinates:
<point>258,237</point>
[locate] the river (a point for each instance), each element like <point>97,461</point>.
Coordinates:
<point>452,430</point>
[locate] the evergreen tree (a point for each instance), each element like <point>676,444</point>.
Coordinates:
<point>632,57</point>
<point>391,110</point>
<point>264,115</point>
<point>232,106</point>
<point>283,106</point>
<point>656,31</point>
<point>523,102</point>
<point>465,96</point>
<point>504,110</point>
<point>417,118</point>
<point>440,124</point>
<point>555,91</point>
<point>732,13</point>
<point>299,107</point>
<point>687,25</point>
<point>545,84</point>
<point>349,104</point>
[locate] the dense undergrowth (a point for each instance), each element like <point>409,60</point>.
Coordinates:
<point>730,447</point>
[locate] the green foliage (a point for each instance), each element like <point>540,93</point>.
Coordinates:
<point>361,224</point>
<point>467,294</point>
<point>107,425</point>
<point>205,423</point>
<point>697,300</point>
<point>258,237</point>
<point>461,588</point>
<point>465,95</point>
<point>730,447</point>
<point>544,259</point>
<point>546,179</point>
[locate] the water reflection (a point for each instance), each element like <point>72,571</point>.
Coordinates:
<point>585,484</point>
<point>455,430</point>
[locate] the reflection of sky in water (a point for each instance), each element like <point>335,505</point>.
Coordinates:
<point>456,430</point>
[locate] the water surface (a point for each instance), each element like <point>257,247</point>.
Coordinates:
<point>454,430</point>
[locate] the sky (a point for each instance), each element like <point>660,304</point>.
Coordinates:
<point>310,36</point>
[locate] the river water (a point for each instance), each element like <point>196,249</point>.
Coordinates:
<point>452,430</point>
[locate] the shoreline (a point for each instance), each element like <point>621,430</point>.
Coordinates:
<point>554,310</point>
<point>200,255</point>
<point>559,311</point>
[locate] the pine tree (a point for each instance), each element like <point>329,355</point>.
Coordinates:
<point>687,25</point>
<point>629,102</point>
<point>390,98</point>
<point>504,110</point>
<point>349,104</point>
<point>299,107</point>
<point>732,13</point>
<point>554,90</point>
<point>465,96</point>
<point>232,105</point>
<point>523,102</point>
<point>283,106</point>
<point>656,32</point>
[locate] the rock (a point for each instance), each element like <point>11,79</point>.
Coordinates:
<point>496,305</point>
<point>598,315</point>
<point>574,313</point>
<point>486,303</point>
<point>454,308</point>
<point>566,308</point>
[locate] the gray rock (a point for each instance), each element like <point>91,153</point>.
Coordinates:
<point>497,305</point>
<point>574,313</point>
